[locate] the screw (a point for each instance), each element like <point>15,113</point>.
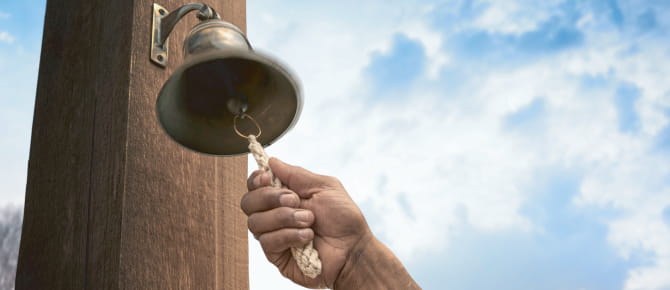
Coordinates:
<point>161,11</point>
<point>160,58</point>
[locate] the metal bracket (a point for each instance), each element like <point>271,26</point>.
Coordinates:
<point>163,22</point>
<point>159,47</point>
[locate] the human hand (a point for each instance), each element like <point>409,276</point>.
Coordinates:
<point>312,207</point>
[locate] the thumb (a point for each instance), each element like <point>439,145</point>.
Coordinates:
<point>296,178</point>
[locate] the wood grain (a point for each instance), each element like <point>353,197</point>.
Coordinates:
<point>111,201</point>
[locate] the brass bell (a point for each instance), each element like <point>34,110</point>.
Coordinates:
<point>220,85</point>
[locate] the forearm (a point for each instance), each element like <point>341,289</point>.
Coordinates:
<point>371,265</point>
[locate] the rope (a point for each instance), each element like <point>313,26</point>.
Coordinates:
<point>306,256</point>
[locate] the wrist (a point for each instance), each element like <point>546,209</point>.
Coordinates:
<point>371,265</point>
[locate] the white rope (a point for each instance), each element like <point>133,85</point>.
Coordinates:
<point>306,256</point>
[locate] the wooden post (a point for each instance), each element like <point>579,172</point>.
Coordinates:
<point>111,201</point>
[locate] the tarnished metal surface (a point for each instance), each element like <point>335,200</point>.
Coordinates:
<point>163,23</point>
<point>221,79</point>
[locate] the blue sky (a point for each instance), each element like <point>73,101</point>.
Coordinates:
<point>491,144</point>
<point>20,39</point>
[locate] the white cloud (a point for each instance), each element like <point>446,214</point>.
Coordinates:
<point>513,17</point>
<point>431,40</point>
<point>6,37</point>
<point>629,174</point>
<point>440,159</point>
<point>645,278</point>
<point>5,15</point>
<point>451,166</point>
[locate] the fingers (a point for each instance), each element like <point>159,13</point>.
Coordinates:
<point>281,240</point>
<point>258,179</point>
<point>279,218</point>
<point>267,198</point>
<point>299,179</point>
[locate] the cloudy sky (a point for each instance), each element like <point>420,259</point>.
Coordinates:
<point>491,144</point>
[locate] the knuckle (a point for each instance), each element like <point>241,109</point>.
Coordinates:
<point>244,203</point>
<point>250,180</point>
<point>275,241</point>
<point>288,199</point>
<point>265,242</point>
<point>252,223</point>
<point>269,197</point>
<point>256,180</point>
<point>284,215</point>
<point>282,238</point>
<point>330,180</point>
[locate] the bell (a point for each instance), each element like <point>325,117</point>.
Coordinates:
<point>222,87</point>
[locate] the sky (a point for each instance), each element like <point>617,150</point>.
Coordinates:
<point>490,144</point>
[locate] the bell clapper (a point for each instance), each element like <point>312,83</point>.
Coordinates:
<point>238,105</point>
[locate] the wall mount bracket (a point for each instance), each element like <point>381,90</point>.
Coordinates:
<point>163,22</point>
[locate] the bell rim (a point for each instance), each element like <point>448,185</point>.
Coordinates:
<point>243,54</point>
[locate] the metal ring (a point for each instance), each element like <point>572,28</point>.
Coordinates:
<point>252,120</point>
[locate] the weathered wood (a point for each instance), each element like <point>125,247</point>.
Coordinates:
<point>111,201</point>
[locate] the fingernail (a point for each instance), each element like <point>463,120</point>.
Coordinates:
<point>288,199</point>
<point>302,216</point>
<point>257,180</point>
<point>303,234</point>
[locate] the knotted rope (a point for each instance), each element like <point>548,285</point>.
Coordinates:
<point>306,256</point>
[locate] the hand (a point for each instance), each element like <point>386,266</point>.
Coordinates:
<point>312,207</point>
